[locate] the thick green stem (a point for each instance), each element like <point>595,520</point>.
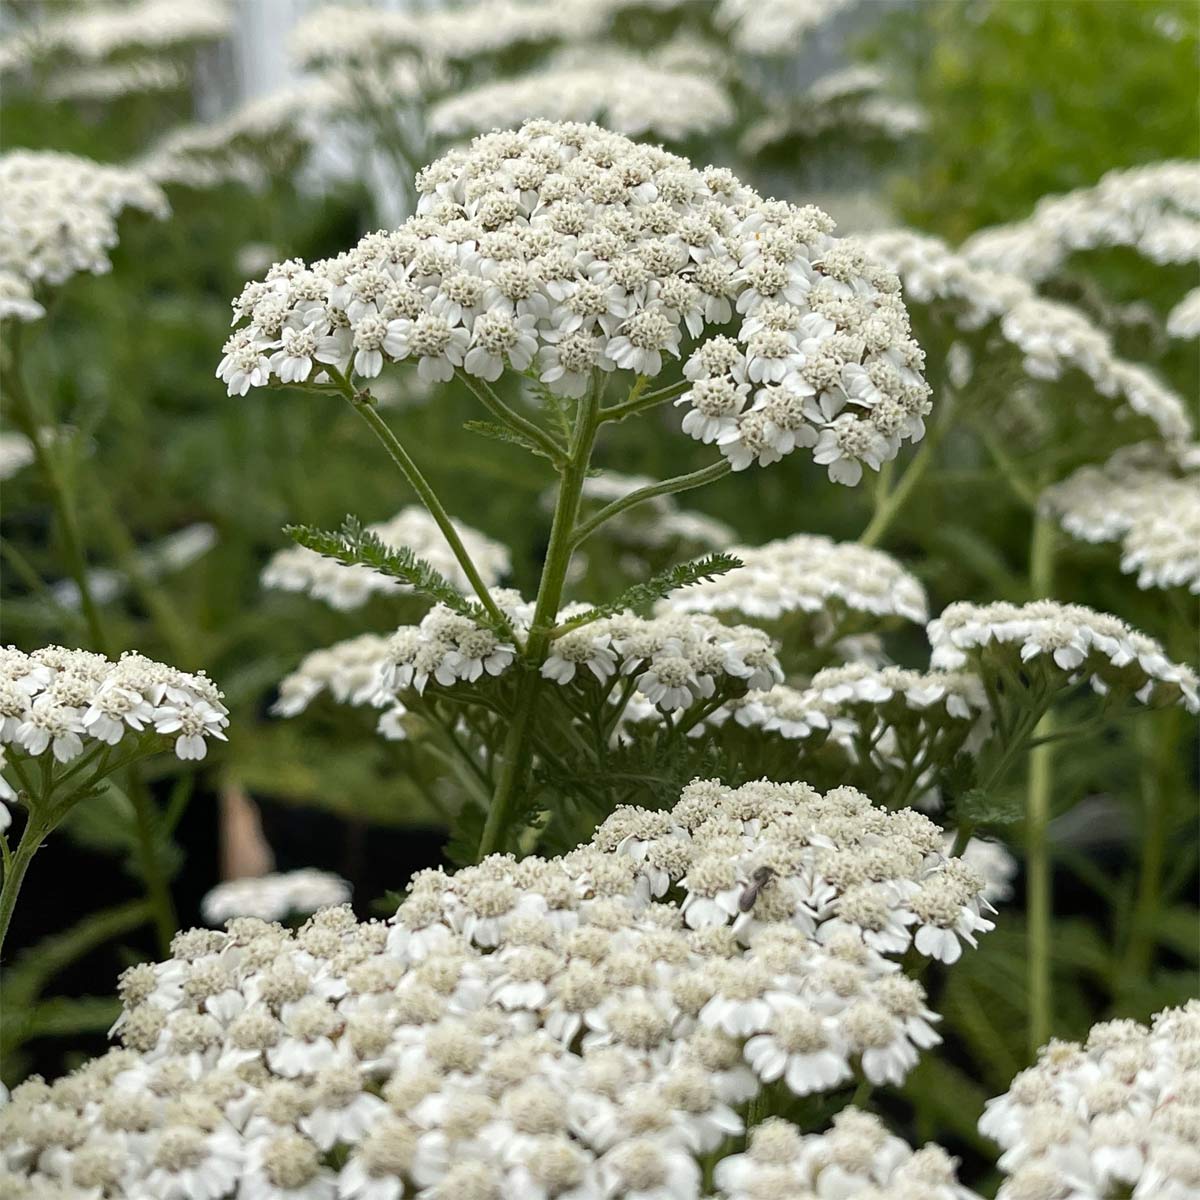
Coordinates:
<point>158,891</point>
<point>1154,836</point>
<point>514,766</point>
<point>365,407</point>
<point>31,840</point>
<point>668,487</point>
<point>1039,893</point>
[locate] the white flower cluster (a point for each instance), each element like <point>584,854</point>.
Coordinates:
<point>850,100</point>
<point>655,524</point>
<point>350,671</point>
<point>242,146</point>
<point>274,897</point>
<point>1117,1116</point>
<point>886,724</point>
<point>579,1027</point>
<point>771,27</point>
<point>95,32</point>
<point>1141,498</point>
<point>807,573</point>
<point>63,702</point>
<point>337,36</point>
<point>1064,638</point>
<point>630,94</point>
<point>120,79</point>
<point>858,1159</point>
<point>1183,321</point>
<point>1052,337</point>
<point>1154,209</point>
<point>348,586</point>
<point>562,250</point>
<point>58,216</point>
<point>16,453</point>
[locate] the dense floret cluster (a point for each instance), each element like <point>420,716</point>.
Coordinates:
<point>584,1026</point>
<point>1116,1116</point>
<point>562,251</point>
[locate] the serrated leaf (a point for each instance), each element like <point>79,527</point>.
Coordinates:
<point>981,807</point>
<point>557,408</point>
<point>502,433</point>
<point>354,545</point>
<point>641,596</point>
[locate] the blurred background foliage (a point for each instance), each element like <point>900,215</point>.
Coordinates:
<point>1021,98</point>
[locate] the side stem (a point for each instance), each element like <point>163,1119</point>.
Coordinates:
<point>515,753</point>
<point>31,840</point>
<point>158,891</point>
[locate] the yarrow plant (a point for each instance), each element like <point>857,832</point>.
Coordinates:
<point>70,718</point>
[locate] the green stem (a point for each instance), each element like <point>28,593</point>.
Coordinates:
<point>364,405</point>
<point>510,417</point>
<point>1154,836</point>
<point>668,487</point>
<point>158,891</point>
<point>889,504</point>
<point>25,417</point>
<point>31,840</point>
<point>640,402</point>
<point>1039,897</point>
<point>514,766</point>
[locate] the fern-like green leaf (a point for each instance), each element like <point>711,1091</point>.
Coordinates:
<point>504,433</point>
<point>641,596</point>
<point>355,545</point>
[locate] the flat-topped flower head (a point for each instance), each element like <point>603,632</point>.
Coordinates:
<point>593,254</point>
<point>58,217</point>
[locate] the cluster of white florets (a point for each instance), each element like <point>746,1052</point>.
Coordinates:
<point>565,251</point>
<point>656,524</point>
<point>858,1159</point>
<point>1065,640</point>
<point>58,216</point>
<point>109,82</point>
<point>1154,209</point>
<point>102,31</point>
<point>350,671</point>
<point>60,702</point>
<point>347,586</point>
<point>1053,338</point>
<point>244,146</point>
<point>275,896</point>
<point>633,95</point>
<point>1116,1116</point>
<point>807,573</point>
<point>1183,321</point>
<point>772,27</point>
<point>1149,501</point>
<point>585,1026</point>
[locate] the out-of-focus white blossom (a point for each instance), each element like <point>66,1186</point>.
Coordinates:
<point>349,586</point>
<point>58,216</point>
<point>1142,498</point>
<point>16,453</point>
<point>1154,209</point>
<point>1183,321</point>
<point>629,94</point>
<point>807,573</point>
<point>1066,640</point>
<point>586,1026</point>
<point>61,702</point>
<point>771,27</point>
<point>274,897</point>
<point>563,250</point>
<point>1052,337</point>
<point>1116,1116</point>
<point>119,79</point>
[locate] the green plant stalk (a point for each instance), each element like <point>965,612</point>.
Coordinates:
<point>18,864</point>
<point>1154,835</point>
<point>668,487</point>
<point>1039,898</point>
<point>514,767</point>
<point>508,416</point>
<point>24,416</point>
<point>364,405</point>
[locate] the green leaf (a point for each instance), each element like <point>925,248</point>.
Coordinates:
<point>504,433</point>
<point>557,408</point>
<point>641,596</point>
<point>354,545</point>
<point>65,1016</point>
<point>981,807</point>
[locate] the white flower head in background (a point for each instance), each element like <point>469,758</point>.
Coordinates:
<point>563,250</point>
<point>274,897</point>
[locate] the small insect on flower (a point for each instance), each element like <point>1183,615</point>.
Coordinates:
<point>762,877</point>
